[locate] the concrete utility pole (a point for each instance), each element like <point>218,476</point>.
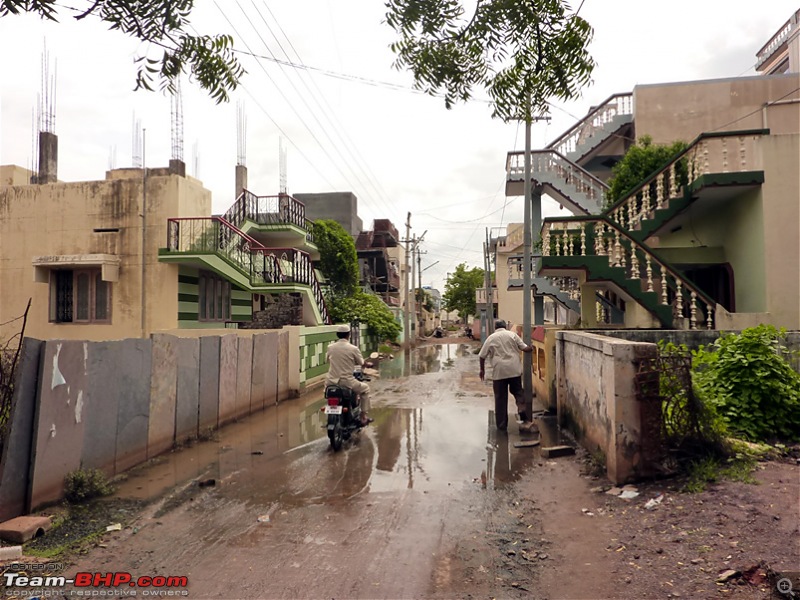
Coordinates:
<point>527,357</point>
<point>489,286</point>
<point>406,328</point>
<point>413,310</point>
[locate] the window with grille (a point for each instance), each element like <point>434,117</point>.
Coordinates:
<point>214,298</point>
<point>79,296</point>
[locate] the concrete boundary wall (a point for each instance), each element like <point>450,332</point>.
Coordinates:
<point>597,398</point>
<point>112,405</point>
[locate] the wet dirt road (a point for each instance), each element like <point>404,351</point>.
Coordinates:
<point>422,504</point>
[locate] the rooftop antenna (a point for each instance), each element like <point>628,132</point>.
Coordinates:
<point>136,153</point>
<point>282,165</point>
<point>176,117</point>
<point>241,135</point>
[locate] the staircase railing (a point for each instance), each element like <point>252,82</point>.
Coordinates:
<point>599,236</point>
<point>262,266</point>
<point>296,267</point>
<point>560,168</point>
<point>269,210</point>
<point>617,104</point>
<point>214,235</point>
<point>723,152</point>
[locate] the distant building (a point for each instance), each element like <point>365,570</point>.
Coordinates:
<point>341,207</point>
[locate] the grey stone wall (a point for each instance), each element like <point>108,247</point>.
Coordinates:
<point>112,405</point>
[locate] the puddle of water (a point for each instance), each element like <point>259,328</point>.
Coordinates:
<point>281,457</point>
<point>423,359</point>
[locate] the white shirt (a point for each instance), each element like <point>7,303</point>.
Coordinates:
<point>342,358</point>
<point>503,348</point>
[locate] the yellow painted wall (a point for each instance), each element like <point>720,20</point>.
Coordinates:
<point>59,219</point>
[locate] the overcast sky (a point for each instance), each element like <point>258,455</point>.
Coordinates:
<point>351,121</point>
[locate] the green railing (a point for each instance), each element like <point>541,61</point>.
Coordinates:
<point>262,266</point>
<point>655,285</point>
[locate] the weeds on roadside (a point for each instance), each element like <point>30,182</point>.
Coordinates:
<point>84,484</point>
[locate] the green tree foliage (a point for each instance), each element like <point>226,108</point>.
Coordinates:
<point>522,53</point>
<point>459,291</point>
<point>749,380</point>
<point>363,307</point>
<point>161,24</point>
<point>642,160</point>
<point>338,259</point>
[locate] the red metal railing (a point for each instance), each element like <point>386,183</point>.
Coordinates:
<point>270,210</point>
<point>262,266</point>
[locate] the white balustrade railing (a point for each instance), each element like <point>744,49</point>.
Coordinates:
<point>596,237</point>
<point>727,152</point>
<point>776,40</point>
<point>559,169</point>
<point>570,141</point>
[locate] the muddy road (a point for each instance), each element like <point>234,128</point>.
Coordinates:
<point>422,504</point>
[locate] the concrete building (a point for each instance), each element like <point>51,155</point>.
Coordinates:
<point>127,256</point>
<point>711,240</point>
<point>341,207</point>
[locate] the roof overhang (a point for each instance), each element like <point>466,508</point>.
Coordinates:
<point>108,263</point>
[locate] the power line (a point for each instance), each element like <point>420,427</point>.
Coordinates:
<point>330,115</point>
<point>283,95</point>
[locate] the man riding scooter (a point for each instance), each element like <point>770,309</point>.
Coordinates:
<point>342,358</point>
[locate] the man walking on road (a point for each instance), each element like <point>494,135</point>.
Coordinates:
<point>503,348</point>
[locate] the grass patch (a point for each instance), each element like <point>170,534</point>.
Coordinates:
<point>710,470</point>
<point>75,526</point>
<point>385,349</point>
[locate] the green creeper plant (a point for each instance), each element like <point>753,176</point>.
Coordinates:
<point>338,259</point>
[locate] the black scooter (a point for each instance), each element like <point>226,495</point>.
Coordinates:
<point>343,407</point>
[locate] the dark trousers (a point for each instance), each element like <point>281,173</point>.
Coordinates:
<point>500,388</point>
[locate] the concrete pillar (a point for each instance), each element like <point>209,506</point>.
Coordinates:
<point>177,167</point>
<point>48,157</point>
<point>588,309</point>
<point>241,180</point>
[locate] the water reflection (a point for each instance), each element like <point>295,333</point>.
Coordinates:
<point>422,360</point>
<point>441,446</point>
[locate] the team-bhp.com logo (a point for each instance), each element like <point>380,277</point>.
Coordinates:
<point>95,584</point>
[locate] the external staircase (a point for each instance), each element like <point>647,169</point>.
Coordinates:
<point>611,249</point>
<point>219,246</point>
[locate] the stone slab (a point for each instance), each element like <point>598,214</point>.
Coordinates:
<point>283,366</point>
<point>21,529</point>
<point>15,459</point>
<point>60,419</point>
<point>228,361</point>
<point>209,384</point>
<point>556,451</point>
<point>10,553</point>
<point>163,390</point>
<point>133,414</point>
<point>102,406</point>
<point>258,376</point>
<point>243,377</point>
<point>188,390</point>
<point>270,365</point>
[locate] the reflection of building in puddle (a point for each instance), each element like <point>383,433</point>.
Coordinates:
<point>423,359</point>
